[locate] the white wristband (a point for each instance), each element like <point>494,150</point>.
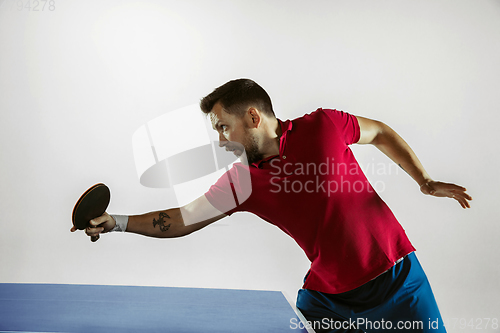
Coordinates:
<point>121,223</point>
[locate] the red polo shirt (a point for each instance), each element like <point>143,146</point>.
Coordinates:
<point>315,191</point>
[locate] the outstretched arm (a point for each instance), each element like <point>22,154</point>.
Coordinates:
<point>174,222</point>
<point>391,144</point>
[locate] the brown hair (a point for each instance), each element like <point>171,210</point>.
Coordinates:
<point>236,96</point>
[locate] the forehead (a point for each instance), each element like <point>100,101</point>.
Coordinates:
<point>217,114</point>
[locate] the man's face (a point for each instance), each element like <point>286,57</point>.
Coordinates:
<point>235,134</point>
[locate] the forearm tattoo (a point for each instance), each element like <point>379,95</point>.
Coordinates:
<point>161,222</point>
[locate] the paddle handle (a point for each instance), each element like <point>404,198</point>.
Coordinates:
<point>94,238</point>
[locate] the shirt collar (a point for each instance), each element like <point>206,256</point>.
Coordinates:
<point>286,126</point>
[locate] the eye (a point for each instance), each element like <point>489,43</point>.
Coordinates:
<point>223,127</point>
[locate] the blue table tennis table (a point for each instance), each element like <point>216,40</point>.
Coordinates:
<point>99,308</point>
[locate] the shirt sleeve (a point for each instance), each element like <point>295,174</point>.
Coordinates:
<point>231,190</point>
<point>346,124</point>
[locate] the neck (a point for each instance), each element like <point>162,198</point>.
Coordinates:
<point>271,141</point>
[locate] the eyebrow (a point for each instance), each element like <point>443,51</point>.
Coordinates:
<point>217,125</point>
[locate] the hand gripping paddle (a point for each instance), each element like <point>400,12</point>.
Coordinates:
<point>92,204</point>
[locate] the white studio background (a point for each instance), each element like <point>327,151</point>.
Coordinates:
<point>78,80</point>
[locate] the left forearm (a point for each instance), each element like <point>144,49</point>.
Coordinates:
<point>392,145</point>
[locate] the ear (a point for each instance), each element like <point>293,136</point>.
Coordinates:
<point>254,118</point>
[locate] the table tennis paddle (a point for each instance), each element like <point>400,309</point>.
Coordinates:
<point>92,204</point>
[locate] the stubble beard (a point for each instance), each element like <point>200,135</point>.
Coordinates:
<point>252,149</point>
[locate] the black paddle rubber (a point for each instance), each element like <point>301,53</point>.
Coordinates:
<point>92,204</point>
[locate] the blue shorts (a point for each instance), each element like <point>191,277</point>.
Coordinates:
<point>400,300</point>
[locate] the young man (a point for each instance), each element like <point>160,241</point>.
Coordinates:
<point>364,275</point>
